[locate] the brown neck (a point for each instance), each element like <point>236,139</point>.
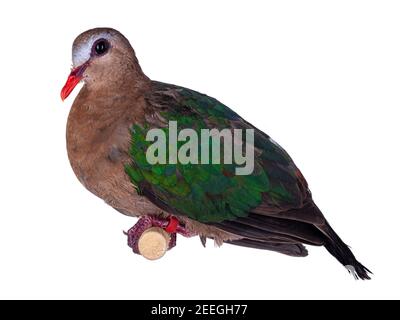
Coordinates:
<point>124,78</point>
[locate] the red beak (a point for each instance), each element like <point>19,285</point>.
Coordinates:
<point>74,78</point>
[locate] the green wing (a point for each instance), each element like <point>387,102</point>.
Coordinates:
<point>210,193</point>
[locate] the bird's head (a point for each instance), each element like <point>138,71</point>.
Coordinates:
<point>99,55</point>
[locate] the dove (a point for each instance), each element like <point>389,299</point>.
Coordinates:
<point>114,122</point>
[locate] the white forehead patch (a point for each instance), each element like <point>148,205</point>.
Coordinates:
<point>82,52</point>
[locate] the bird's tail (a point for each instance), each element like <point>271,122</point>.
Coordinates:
<point>343,254</point>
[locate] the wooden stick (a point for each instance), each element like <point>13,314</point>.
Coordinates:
<point>153,243</point>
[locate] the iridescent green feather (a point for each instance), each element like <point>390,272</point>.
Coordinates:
<point>209,192</point>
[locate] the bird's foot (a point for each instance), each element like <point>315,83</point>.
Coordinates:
<point>170,225</point>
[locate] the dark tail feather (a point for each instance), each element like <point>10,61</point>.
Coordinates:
<point>343,254</point>
<point>291,249</point>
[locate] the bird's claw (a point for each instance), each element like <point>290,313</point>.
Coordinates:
<point>147,222</point>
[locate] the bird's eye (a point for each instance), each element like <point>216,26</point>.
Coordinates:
<point>101,47</point>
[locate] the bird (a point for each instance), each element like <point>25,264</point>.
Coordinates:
<point>270,208</point>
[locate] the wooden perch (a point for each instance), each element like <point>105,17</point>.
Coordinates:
<point>153,243</point>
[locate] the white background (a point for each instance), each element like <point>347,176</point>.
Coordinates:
<point>321,77</point>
